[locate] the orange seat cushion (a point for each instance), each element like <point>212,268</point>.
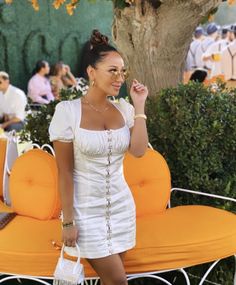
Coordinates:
<point>182,236</point>
<point>179,237</point>
<point>26,247</point>
<point>34,185</point>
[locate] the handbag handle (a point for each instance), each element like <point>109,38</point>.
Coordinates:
<point>77,249</point>
<point>77,265</point>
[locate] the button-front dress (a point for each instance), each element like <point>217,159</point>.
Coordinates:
<point>104,209</point>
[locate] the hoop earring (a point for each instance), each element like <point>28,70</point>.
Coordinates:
<point>93,83</point>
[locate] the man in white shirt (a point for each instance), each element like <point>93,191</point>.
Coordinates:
<point>12,105</point>
<point>191,56</point>
<point>190,63</point>
<point>212,35</point>
<point>229,59</point>
<point>231,33</point>
<point>214,54</point>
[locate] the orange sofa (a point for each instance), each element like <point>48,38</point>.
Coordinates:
<point>167,238</point>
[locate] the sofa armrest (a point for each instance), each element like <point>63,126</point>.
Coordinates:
<point>200,193</point>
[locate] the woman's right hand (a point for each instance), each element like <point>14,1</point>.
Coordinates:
<point>70,236</point>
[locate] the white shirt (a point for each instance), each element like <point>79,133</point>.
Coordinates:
<point>216,48</point>
<point>201,49</point>
<point>13,103</point>
<point>229,61</point>
<point>191,56</point>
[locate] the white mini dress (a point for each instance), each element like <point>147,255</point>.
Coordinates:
<point>104,208</point>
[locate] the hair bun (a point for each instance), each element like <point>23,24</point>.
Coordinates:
<point>98,39</point>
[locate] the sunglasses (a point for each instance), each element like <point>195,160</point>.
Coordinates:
<point>116,74</point>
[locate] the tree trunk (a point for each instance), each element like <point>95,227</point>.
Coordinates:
<point>154,37</point>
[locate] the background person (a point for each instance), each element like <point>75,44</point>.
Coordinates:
<point>231,33</point>
<point>61,78</point>
<point>214,55</point>
<point>212,31</point>
<point>199,75</point>
<point>39,88</point>
<point>225,35</point>
<point>12,105</point>
<point>90,137</point>
<point>191,60</point>
<point>229,61</point>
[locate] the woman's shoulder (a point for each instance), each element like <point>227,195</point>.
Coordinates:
<point>53,78</point>
<point>124,104</point>
<point>33,78</point>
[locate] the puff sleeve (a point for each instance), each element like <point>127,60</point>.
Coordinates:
<point>61,126</point>
<point>128,110</point>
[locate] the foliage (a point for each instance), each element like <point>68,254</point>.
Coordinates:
<point>120,4</point>
<point>194,127</point>
<point>37,121</point>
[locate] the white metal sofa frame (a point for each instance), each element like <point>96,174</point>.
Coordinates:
<point>152,275</point>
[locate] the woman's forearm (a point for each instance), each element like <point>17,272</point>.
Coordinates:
<point>66,189</point>
<point>139,136</point>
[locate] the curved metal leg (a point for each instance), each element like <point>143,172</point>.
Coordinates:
<point>235,270</point>
<point>208,271</point>
<point>150,276</point>
<point>91,281</point>
<point>185,275</point>
<point>22,277</point>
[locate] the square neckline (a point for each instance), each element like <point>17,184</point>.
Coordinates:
<point>108,130</point>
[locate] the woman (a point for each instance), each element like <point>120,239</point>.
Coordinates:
<point>61,77</point>
<point>39,88</point>
<point>90,136</point>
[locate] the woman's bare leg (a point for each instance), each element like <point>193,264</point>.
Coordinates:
<point>122,256</point>
<point>110,269</point>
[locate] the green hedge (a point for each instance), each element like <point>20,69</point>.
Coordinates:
<point>194,127</point>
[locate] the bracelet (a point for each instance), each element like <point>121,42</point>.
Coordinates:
<point>68,224</point>
<point>140,116</point>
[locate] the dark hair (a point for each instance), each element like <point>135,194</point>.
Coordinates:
<point>55,68</point>
<point>198,75</point>
<point>233,29</point>
<point>94,51</point>
<point>39,65</point>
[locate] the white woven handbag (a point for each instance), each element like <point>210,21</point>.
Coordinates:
<point>68,272</point>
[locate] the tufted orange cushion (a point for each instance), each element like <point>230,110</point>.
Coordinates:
<point>3,147</point>
<point>34,186</point>
<point>149,179</point>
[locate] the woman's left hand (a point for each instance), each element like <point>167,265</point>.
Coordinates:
<point>138,93</point>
